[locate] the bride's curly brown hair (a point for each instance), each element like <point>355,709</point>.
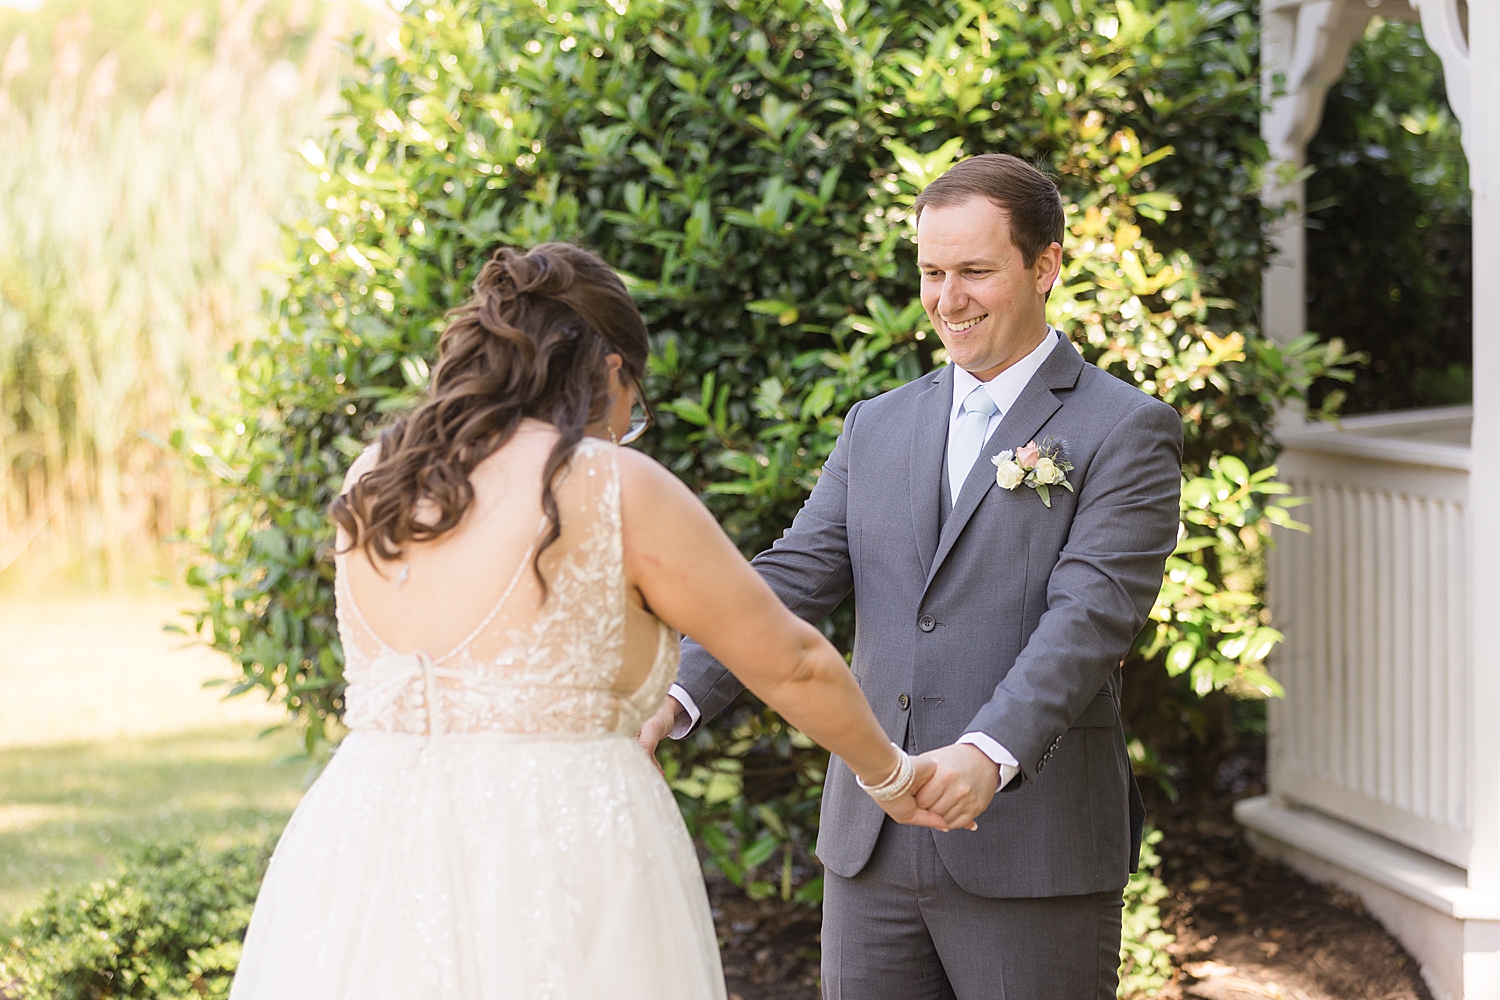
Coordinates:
<point>532,341</point>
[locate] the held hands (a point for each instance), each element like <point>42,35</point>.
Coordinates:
<point>962,783</point>
<point>905,808</point>
<point>945,789</point>
<point>952,785</point>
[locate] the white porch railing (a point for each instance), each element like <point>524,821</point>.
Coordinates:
<point>1374,727</point>
<point>1385,756</point>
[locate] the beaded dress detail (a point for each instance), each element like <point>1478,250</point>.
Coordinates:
<point>489,829</point>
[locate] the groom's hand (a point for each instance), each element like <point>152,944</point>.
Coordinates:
<point>660,724</point>
<point>963,783</point>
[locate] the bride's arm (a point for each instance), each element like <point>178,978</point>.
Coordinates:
<point>694,579</point>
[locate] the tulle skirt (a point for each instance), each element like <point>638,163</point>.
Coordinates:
<point>483,866</point>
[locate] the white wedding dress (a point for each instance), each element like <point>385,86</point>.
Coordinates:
<point>490,829</point>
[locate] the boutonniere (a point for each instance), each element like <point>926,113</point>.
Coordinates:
<point>1040,466</point>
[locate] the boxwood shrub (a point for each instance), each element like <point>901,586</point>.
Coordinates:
<point>167,926</point>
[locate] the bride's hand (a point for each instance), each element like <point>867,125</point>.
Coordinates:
<point>905,809</point>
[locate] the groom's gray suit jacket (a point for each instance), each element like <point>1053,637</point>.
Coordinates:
<point>999,616</point>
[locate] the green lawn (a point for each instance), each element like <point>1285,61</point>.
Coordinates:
<point>67,812</point>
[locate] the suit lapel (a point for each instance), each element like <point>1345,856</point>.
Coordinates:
<point>1032,409</point>
<point>929,442</point>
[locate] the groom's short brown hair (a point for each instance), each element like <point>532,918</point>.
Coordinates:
<point>1028,197</point>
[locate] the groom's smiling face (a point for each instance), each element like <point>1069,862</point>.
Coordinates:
<point>987,306</point>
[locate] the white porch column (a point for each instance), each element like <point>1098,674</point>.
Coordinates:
<point>1481,133</point>
<point>1304,45</point>
<point>1284,281</point>
<point>1385,757</point>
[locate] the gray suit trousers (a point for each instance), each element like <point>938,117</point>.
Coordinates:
<point>902,929</point>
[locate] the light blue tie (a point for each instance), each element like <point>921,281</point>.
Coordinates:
<point>968,438</point>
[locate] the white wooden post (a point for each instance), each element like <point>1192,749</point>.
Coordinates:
<point>1385,756</point>
<point>1480,96</point>
<point>1304,44</point>
<point>1283,282</point>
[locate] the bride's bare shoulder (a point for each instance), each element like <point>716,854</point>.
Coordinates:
<point>649,486</point>
<point>664,523</point>
<point>361,465</point>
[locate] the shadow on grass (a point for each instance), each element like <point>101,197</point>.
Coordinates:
<point>68,812</point>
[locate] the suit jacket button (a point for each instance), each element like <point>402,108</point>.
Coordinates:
<point>927,623</point>
<point>904,702</point>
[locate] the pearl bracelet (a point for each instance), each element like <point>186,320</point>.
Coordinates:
<point>898,784</point>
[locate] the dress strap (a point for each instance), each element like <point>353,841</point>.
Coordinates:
<point>509,589</point>
<point>614,504</point>
<point>341,580</point>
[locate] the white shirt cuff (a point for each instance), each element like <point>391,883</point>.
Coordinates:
<point>688,717</point>
<point>986,744</point>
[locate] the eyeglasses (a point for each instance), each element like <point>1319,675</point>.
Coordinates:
<point>640,416</point>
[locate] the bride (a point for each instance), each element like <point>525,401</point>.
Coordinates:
<point>510,588</point>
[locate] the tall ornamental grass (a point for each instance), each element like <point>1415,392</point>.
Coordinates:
<point>134,243</point>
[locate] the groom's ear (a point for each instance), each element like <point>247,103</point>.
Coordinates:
<point>1046,269</point>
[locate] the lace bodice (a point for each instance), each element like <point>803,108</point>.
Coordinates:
<point>535,664</point>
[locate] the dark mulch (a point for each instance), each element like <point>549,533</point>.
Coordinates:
<point>1247,928</point>
<point>770,948</point>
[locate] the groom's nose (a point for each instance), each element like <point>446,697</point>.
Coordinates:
<point>953,298</point>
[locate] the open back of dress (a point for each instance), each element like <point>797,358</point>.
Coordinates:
<point>490,829</point>
<point>553,663</point>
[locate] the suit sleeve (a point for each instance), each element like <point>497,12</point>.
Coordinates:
<point>1101,590</point>
<point>808,567</point>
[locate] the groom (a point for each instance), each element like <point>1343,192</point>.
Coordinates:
<point>990,626</point>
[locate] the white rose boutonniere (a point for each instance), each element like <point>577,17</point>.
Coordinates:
<point>1008,472</point>
<point>1040,466</point>
<point>1047,473</point>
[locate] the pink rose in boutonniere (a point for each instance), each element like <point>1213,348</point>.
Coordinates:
<point>1040,466</point>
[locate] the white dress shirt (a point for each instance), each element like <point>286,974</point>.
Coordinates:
<point>1004,389</point>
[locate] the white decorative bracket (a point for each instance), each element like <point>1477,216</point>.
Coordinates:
<point>1304,47</point>
<point>1306,43</point>
<point>1443,27</point>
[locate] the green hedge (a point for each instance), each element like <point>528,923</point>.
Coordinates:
<point>1145,965</point>
<point>1389,236</point>
<point>749,166</point>
<point>168,926</point>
